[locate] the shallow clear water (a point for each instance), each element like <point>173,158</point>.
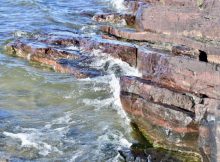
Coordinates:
<point>47,116</point>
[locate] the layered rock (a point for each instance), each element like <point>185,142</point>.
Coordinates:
<point>124,51</point>
<point>53,52</point>
<point>176,101</point>
<point>192,23</point>
<point>58,60</point>
<point>180,73</point>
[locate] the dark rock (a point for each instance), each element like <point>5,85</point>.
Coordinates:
<point>184,50</point>
<point>115,18</point>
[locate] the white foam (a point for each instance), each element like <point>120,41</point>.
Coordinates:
<point>24,138</point>
<point>75,156</point>
<point>104,59</point>
<point>111,65</point>
<point>118,5</point>
<point>115,138</point>
<point>99,103</point>
<point>74,48</point>
<point>66,119</point>
<point>33,138</point>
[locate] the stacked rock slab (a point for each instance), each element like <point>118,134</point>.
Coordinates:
<point>53,52</point>
<point>192,23</point>
<point>176,101</point>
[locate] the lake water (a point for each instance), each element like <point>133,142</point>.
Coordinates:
<point>47,116</point>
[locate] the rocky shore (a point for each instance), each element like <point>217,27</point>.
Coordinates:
<point>175,46</point>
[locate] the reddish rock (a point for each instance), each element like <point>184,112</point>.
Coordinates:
<point>64,41</point>
<point>60,61</point>
<point>186,46</point>
<point>184,50</point>
<point>36,49</point>
<point>124,51</point>
<point>164,126</point>
<point>180,73</point>
<point>158,94</point>
<point>186,21</point>
<point>158,114</point>
<point>208,107</point>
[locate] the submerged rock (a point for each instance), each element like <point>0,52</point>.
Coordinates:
<point>176,100</point>
<point>127,19</point>
<point>59,60</point>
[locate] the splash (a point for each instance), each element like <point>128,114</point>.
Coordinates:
<point>31,140</point>
<point>115,68</point>
<point>117,5</point>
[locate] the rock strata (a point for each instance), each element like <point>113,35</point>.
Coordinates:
<point>177,96</point>
<point>176,100</point>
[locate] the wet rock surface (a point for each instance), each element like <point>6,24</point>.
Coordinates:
<point>178,90</point>
<point>127,19</point>
<point>176,101</point>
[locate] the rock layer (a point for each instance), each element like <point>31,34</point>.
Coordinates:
<point>177,99</point>
<point>179,90</point>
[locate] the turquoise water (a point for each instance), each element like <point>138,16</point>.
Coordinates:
<point>47,116</point>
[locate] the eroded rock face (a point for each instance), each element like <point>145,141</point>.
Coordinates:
<point>171,118</point>
<point>124,51</point>
<point>185,46</point>
<point>58,60</point>
<point>176,100</point>
<point>53,52</point>
<point>191,23</point>
<point>162,125</point>
<point>148,90</point>
<point>180,73</point>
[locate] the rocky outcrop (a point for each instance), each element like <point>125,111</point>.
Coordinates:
<point>124,51</point>
<point>76,62</point>
<point>176,101</point>
<point>192,23</point>
<point>180,73</point>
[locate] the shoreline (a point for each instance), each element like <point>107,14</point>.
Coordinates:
<point>177,95</point>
